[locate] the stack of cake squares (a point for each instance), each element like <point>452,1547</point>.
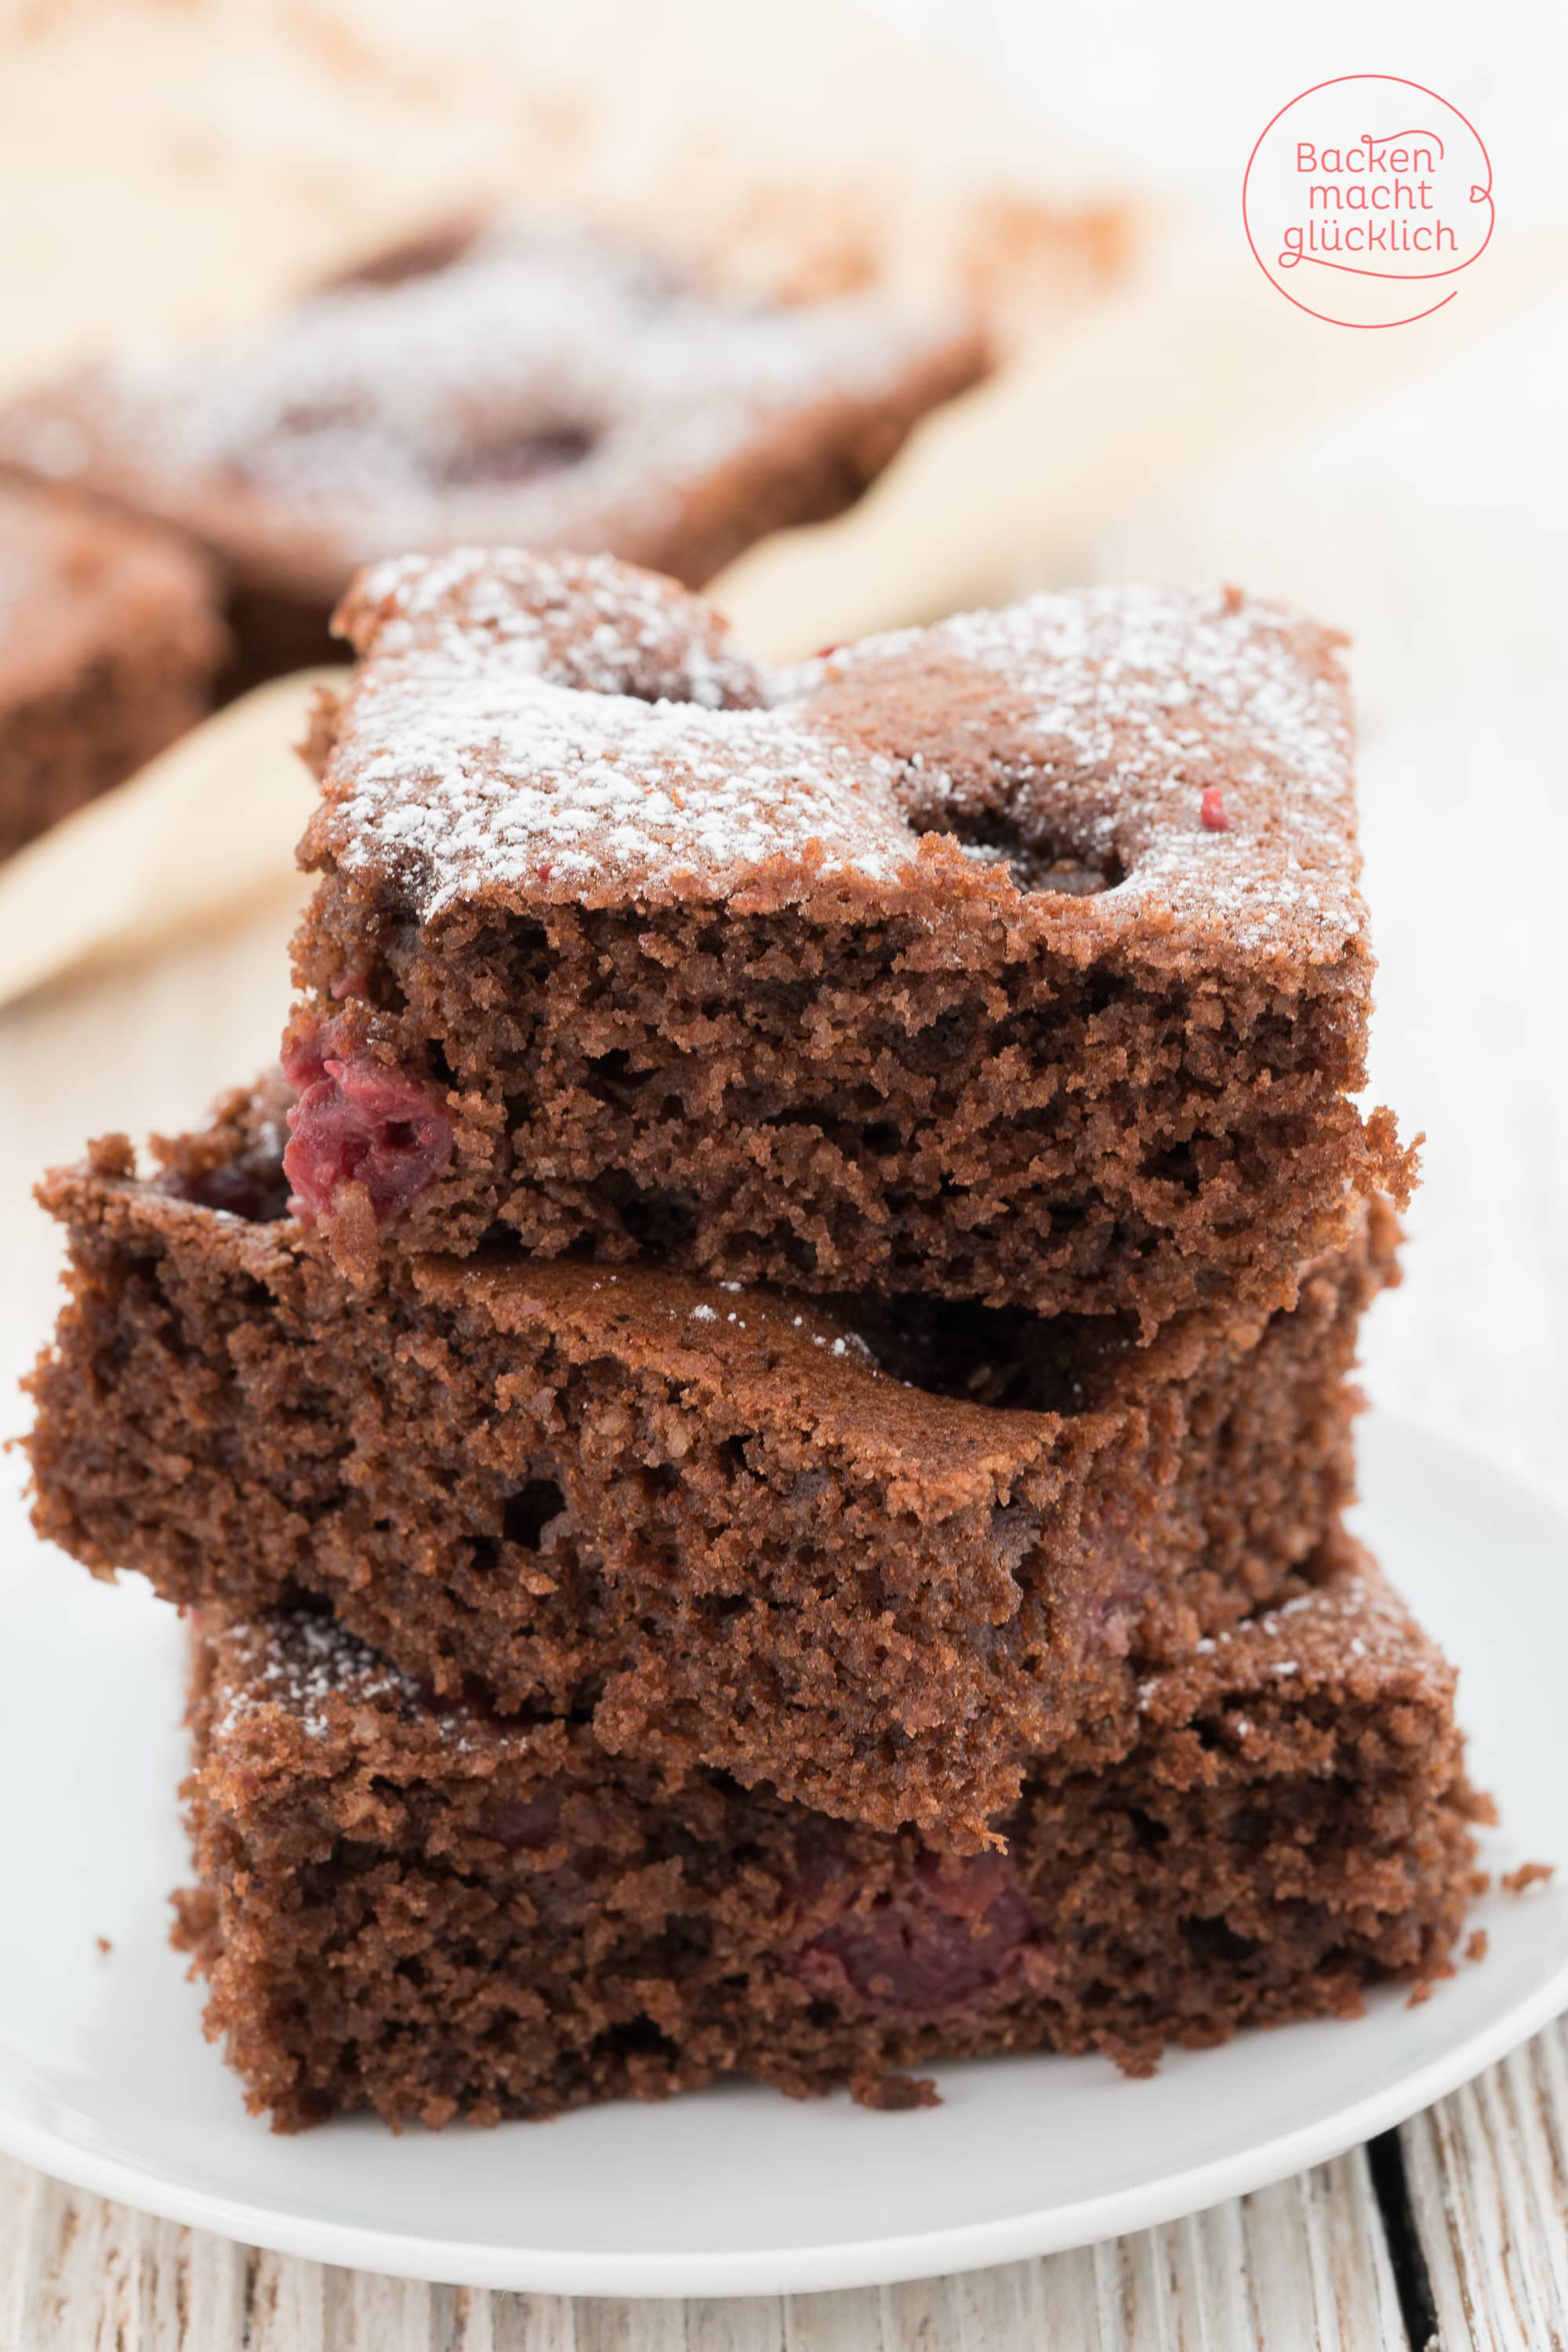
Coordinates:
<point>754,1426</point>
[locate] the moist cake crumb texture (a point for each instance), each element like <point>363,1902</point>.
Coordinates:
<point>875,1554</point>
<point>917,967</point>
<point>444,1915</point>
<point>754,1425</point>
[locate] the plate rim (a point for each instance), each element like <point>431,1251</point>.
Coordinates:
<point>855,2263</point>
<point>795,2270</point>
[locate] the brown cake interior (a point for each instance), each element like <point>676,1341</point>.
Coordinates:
<point>1017,960</point>
<point>875,1557</point>
<point>437,1914</point>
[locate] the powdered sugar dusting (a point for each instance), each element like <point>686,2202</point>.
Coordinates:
<point>538,383</point>
<point>521,723</point>
<point>1114,715</point>
<point>1353,1628</point>
<point>586,622</point>
<point>299,1662</point>
<point>517,780</point>
<point>471,762</point>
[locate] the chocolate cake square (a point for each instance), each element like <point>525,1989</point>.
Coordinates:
<point>434,1913</point>
<point>500,380</point>
<point>1018,959</point>
<point>873,1554</point>
<point>109,642</point>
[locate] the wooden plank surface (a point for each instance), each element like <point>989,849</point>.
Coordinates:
<point>1302,2264</point>
<point>1305,2263</point>
<point>1488,2175</point>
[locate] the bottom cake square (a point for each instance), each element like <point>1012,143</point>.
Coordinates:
<point>433,1913</point>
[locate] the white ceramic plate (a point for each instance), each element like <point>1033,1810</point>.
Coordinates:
<point>105,2078</point>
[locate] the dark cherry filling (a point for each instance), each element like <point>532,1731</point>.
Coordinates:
<point>356,1122</point>
<point>524,1822</point>
<point>527,457</point>
<point>990,1355</point>
<point>259,1196</point>
<point>991,835</point>
<point>946,1935</point>
<point>1117,1612</point>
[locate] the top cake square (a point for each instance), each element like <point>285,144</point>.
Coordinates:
<point>503,381</point>
<point>1018,959</point>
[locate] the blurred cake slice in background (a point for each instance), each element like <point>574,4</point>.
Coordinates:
<point>515,381</point>
<point>110,640</point>
<point>806,157</point>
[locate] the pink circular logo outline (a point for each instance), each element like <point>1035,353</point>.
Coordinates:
<point>1414,277</point>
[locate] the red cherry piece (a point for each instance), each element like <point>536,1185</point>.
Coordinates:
<point>943,1937</point>
<point>358,1122</point>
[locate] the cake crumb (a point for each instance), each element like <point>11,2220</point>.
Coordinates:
<point>894,2094</point>
<point>104,1945</point>
<point>1528,1874</point>
<point>1477,1944</point>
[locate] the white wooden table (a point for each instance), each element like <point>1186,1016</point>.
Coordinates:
<point>1437,536</point>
